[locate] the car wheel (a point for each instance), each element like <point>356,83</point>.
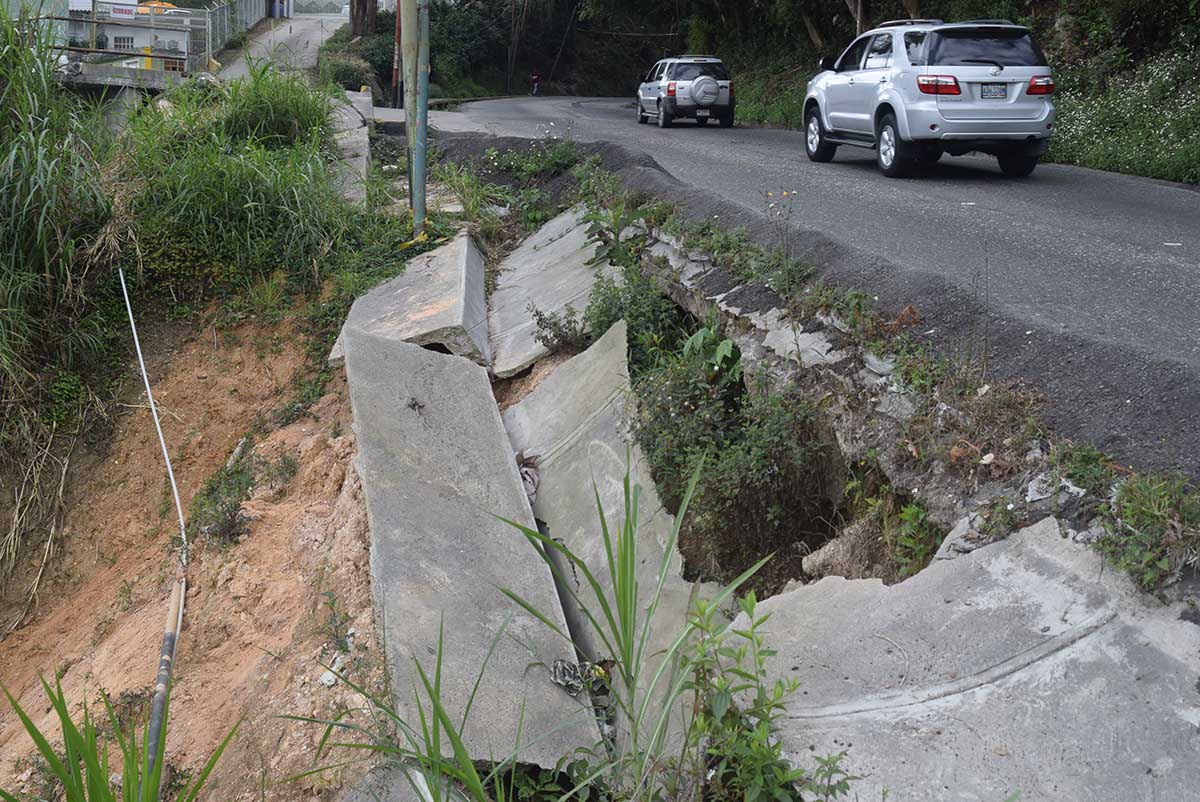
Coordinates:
<point>641,115</point>
<point>814,138</point>
<point>702,121</point>
<point>1017,166</point>
<point>664,117</point>
<point>727,120</point>
<point>889,152</point>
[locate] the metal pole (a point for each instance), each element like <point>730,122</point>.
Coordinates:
<point>396,82</point>
<point>422,143</point>
<point>410,46</point>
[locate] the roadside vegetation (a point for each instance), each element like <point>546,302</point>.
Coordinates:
<point>726,749</point>
<point>219,204</point>
<point>762,444</point>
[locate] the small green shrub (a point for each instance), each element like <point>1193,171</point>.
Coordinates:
<point>1086,467</point>
<point>216,511</point>
<point>344,70</point>
<point>916,540</point>
<point>560,331</point>
<point>1154,530</point>
<point>544,158</point>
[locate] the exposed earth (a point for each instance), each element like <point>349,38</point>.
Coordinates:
<point>263,615</point>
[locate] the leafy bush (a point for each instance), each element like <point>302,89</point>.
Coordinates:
<point>344,70</point>
<point>1145,122</point>
<point>560,331</point>
<point>216,511</point>
<point>544,158</point>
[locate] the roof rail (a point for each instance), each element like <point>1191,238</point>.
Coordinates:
<point>985,22</point>
<point>693,55</point>
<point>896,23</point>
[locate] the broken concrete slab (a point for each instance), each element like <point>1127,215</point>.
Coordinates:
<point>1022,666</point>
<point>363,104</point>
<point>550,271</point>
<point>573,423</point>
<point>439,299</point>
<point>437,469</point>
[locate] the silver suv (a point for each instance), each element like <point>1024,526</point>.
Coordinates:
<point>697,87</point>
<point>915,89</point>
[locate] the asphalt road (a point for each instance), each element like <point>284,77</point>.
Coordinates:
<point>1085,282</point>
<point>290,43</point>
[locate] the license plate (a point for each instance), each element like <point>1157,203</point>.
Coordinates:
<point>995,92</point>
<point>702,112</point>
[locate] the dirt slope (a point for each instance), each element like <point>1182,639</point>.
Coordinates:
<point>262,615</point>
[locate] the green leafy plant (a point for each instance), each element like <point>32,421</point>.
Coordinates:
<point>916,540</point>
<point>561,331</point>
<point>82,770</point>
<point>610,228</point>
<point>744,758</point>
<point>216,511</point>
<point>1154,531</point>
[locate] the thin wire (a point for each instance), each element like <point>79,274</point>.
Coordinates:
<point>183,550</point>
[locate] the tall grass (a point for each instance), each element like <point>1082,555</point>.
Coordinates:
<point>83,771</point>
<point>278,109</point>
<point>50,199</point>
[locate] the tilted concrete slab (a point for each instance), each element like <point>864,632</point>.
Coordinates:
<point>363,104</point>
<point>1023,666</point>
<point>353,144</point>
<point>439,299</point>
<point>572,422</point>
<point>549,270</point>
<point>437,469</point>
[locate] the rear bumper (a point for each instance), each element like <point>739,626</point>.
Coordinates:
<point>926,122</point>
<point>685,110</point>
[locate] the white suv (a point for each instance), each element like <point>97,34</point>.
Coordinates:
<point>915,89</point>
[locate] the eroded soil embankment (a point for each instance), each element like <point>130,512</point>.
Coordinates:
<point>263,614</point>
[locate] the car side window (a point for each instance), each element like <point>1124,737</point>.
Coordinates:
<point>852,58</point>
<point>654,73</point>
<point>879,57</point>
<point>914,44</point>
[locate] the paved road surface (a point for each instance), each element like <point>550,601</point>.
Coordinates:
<point>1091,279</point>
<point>290,43</point>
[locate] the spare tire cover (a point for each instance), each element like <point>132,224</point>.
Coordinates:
<point>705,90</point>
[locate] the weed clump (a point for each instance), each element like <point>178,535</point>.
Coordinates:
<point>216,511</point>
<point>1154,530</point>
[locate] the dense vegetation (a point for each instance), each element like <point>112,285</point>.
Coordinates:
<point>1126,68</point>
<point>212,193</point>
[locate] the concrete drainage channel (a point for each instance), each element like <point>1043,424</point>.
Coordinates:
<point>1014,665</point>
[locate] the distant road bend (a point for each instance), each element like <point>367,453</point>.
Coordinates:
<point>1092,278</point>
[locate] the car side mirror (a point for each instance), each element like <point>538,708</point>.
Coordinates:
<point>826,63</point>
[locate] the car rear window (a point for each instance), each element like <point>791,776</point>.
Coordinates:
<point>690,72</point>
<point>1012,47</point>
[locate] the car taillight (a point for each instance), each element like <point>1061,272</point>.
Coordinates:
<point>731,90</point>
<point>671,89</point>
<point>938,85</point>
<point>1040,85</point>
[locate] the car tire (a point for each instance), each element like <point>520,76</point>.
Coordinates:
<point>815,145</point>
<point>664,117</point>
<point>727,120</point>
<point>641,115</point>
<point>701,121</point>
<point>1017,166</point>
<point>889,149</point>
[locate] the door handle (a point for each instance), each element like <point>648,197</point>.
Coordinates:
<point>851,82</point>
<point>883,80</point>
